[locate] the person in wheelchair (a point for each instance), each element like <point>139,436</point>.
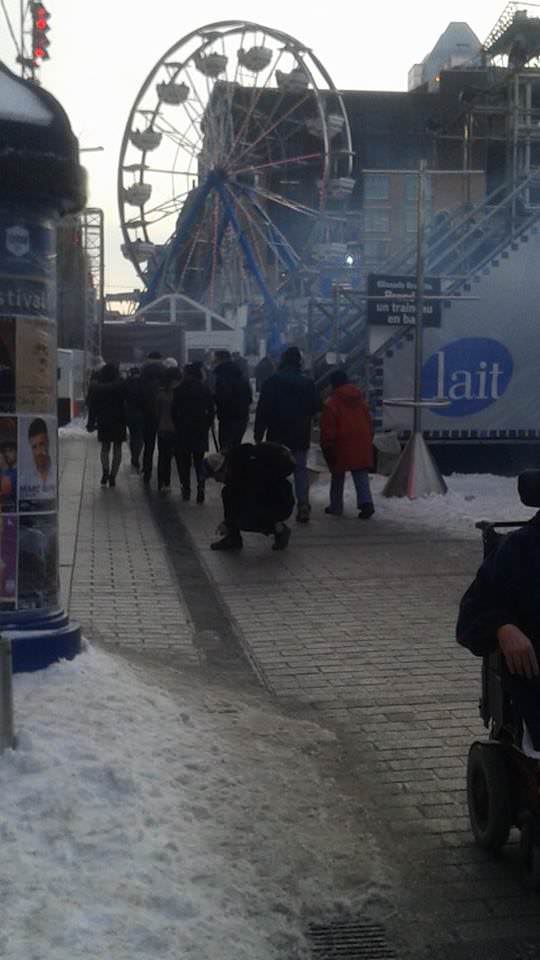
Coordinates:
<point>500,611</point>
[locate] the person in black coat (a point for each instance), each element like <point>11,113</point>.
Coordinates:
<point>192,411</point>
<point>233,398</point>
<point>135,415</point>
<point>264,369</point>
<point>287,404</point>
<point>152,377</point>
<point>501,610</point>
<point>257,496</point>
<point>107,409</point>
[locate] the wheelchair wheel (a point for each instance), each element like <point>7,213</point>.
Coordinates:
<point>488,795</point>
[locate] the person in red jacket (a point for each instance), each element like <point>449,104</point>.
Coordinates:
<point>346,441</point>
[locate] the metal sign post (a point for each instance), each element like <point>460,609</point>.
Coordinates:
<point>420,277</point>
<point>416,473</point>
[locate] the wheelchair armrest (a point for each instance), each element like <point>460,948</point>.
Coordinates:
<point>496,707</point>
<point>492,699</point>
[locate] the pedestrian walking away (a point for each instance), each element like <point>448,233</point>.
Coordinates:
<point>257,496</point>
<point>242,364</point>
<point>151,380</point>
<point>107,410</point>
<point>287,404</point>
<point>166,433</point>
<point>347,444</point>
<point>264,369</point>
<point>135,415</point>
<point>233,398</point>
<point>192,412</point>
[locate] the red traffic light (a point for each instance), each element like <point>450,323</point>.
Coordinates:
<point>40,29</point>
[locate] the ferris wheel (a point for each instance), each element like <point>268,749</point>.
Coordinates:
<point>236,153</point>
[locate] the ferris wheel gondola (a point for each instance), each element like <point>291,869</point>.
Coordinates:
<point>228,162</point>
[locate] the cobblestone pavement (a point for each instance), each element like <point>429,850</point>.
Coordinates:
<point>116,578</point>
<point>355,623</point>
<point>356,620</point>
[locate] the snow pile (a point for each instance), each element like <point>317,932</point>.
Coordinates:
<point>470,498</point>
<point>74,430</point>
<point>133,825</point>
<point>20,103</point>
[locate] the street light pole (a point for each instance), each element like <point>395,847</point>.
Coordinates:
<point>23,45</point>
<point>416,473</point>
<point>420,291</point>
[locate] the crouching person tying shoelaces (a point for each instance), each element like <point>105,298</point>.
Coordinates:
<point>257,496</point>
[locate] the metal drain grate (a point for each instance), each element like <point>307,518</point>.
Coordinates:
<point>349,940</point>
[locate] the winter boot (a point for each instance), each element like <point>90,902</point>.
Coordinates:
<point>112,481</point>
<point>303,512</point>
<point>186,494</point>
<point>332,512</point>
<point>233,541</point>
<point>200,493</point>
<point>282,535</point>
<point>104,479</point>
<point>366,511</point>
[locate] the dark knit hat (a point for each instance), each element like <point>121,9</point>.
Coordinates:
<point>291,358</point>
<point>338,378</point>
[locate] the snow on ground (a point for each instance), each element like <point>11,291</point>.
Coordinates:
<point>75,429</point>
<point>138,823</point>
<point>470,498</point>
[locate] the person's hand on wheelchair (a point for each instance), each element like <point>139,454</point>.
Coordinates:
<point>518,651</point>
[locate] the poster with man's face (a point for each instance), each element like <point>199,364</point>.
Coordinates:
<point>38,563</point>
<point>36,366</point>
<point>8,464</point>
<point>37,461</point>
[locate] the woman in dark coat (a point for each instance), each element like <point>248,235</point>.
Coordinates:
<point>107,409</point>
<point>193,415</point>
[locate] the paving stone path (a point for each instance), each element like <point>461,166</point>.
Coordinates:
<point>355,623</point>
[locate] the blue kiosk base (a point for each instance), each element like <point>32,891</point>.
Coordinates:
<point>39,642</point>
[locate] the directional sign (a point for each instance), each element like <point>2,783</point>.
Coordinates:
<point>391,310</point>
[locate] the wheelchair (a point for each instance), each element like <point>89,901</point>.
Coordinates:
<point>503,783</point>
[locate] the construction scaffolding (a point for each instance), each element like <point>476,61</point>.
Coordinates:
<point>92,238</point>
<point>515,39</point>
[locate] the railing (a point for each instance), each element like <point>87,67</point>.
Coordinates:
<point>477,236</point>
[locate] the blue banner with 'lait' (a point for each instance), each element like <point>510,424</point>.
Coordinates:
<point>472,373</point>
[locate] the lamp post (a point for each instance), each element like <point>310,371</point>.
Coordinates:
<point>416,473</point>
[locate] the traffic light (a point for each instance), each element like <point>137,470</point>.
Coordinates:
<point>40,29</point>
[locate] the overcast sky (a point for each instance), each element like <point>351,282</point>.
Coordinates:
<point>101,52</point>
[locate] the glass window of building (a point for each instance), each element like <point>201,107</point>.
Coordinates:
<point>410,221</point>
<point>376,221</point>
<point>376,186</point>
<point>375,249</point>
<point>411,186</point>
